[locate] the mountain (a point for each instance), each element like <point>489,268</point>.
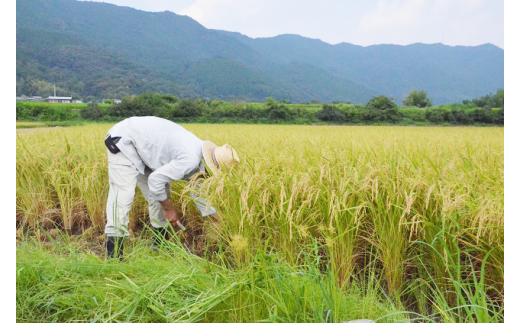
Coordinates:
<point>99,50</point>
<point>447,73</point>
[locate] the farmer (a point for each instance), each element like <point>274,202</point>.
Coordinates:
<point>151,152</point>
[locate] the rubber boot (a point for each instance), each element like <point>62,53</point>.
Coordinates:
<point>115,248</point>
<point>159,235</point>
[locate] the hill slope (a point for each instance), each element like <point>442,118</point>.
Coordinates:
<point>92,49</point>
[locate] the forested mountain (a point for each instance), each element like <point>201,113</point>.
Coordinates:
<point>99,50</point>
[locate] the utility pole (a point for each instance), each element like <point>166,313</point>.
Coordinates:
<point>54,89</point>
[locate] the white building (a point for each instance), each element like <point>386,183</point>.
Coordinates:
<point>27,98</point>
<point>59,99</point>
<point>35,98</point>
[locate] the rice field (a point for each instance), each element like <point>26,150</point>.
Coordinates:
<point>24,125</point>
<point>387,223</point>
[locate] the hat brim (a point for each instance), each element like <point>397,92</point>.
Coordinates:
<point>207,147</point>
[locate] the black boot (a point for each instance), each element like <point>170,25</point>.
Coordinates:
<point>115,248</point>
<point>159,236</point>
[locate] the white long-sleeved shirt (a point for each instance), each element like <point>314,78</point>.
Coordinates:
<point>169,150</point>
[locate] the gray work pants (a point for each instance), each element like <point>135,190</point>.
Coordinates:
<point>123,177</point>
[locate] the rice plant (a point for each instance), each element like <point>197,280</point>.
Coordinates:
<point>411,216</point>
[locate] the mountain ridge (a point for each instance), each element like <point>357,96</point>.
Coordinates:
<point>174,53</point>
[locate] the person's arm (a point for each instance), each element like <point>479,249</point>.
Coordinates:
<point>157,181</point>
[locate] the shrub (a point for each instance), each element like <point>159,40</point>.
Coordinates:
<point>499,118</point>
<point>435,115</point>
<point>163,112</point>
<point>382,108</point>
<point>187,109</point>
<point>484,115</point>
<point>414,114</point>
<point>368,115</point>
<point>417,99</point>
<point>223,110</point>
<point>144,105</point>
<point>351,114</point>
<point>170,98</point>
<point>462,116</point>
<point>330,113</point>
<point>250,113</point>
<point>277,111</point>
<point>491,100</point>
<point>30,111</point>
<point>448,116</point>
<point>92,112</point>
<point>381,103</point>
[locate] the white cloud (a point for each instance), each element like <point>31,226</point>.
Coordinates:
<point>394,15</point>
<point>472,4</point>
<point>209,12</point>
<point>442,6</point>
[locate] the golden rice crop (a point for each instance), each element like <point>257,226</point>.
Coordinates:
<point>407,203</point>
<point>30,125</point>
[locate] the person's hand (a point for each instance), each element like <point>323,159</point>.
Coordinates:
<point>172,216</point>
<point>215,217</point>
<point>169,213</point>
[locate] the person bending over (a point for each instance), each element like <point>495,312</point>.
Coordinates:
<point>150,152</point>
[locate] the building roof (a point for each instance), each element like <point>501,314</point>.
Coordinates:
<point>59,98</point>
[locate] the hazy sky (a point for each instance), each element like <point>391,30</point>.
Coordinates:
<point>452,22</point>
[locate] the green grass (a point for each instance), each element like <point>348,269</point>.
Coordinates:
<point>66,281</point>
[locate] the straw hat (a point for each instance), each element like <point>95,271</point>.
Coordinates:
<point>216,156</point>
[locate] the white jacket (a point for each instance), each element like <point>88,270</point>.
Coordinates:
<point>169,150</point>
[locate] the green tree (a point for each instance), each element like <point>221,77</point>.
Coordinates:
<point>144,105</point>
<point>170,98</point>
<point>330,113</point>
<point>187,109</point>
<point>462,116</point>
<point>484,115</point>
<point>382,108</point>
<point>500,116</point>
<point>351,113</point>
<point>417,99</point>
<point>490,100</point>
<point>435,115</point>
<point>92,112</point>
<point>498,99</point>
<point>382,103</point>
<point>277,111</point>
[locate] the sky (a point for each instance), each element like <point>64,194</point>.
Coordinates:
<point>368,22</point>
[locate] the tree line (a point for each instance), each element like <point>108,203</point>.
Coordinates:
<point>379,110</point>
